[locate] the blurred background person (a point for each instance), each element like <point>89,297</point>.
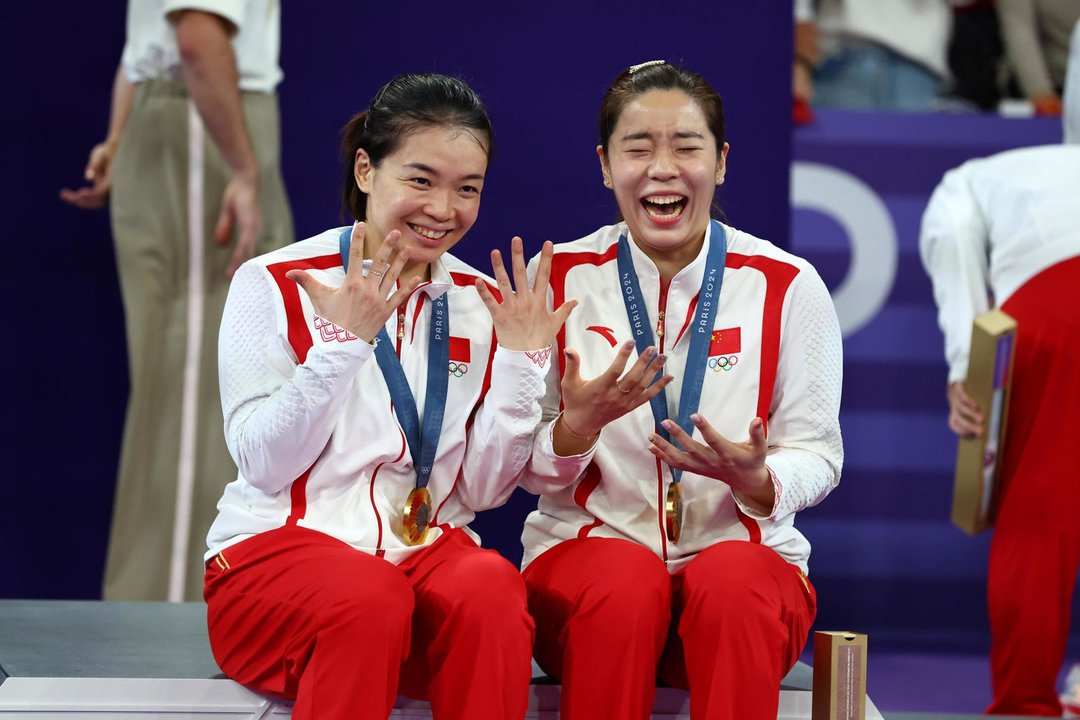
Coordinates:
<point>980,76</point>
<point>881,54</point>
<point>805,60</point>
<point>1005,231</point>
<point>190,169</point>
<point>1071,119</point>
<point>1036,35</point>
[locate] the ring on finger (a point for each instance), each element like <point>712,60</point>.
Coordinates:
<point>624,391</point>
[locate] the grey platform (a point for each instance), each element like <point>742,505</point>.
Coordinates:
<point>152,661</point>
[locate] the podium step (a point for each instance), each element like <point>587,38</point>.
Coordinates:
<point>151,661</point>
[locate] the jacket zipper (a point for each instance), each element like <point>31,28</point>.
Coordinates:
<point>379,551</point>
<point>660,494</point>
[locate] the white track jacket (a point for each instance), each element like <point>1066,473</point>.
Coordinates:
<point>309,420</point>
<point>775,354</point>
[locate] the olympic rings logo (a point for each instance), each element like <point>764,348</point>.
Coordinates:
<point>458,369</point>
<point>722,363</point>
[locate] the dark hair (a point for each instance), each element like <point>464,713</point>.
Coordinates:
<point>404,105</point>
<point>659,75</point>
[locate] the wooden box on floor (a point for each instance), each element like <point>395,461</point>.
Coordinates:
<point>978,460</point>
<point>839,676</point>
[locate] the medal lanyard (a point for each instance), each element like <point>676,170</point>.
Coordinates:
<point>422,443</point>
<point>701,328</point>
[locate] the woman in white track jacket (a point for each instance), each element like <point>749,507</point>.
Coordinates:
<point>654,554</point>
<point>372,412</point>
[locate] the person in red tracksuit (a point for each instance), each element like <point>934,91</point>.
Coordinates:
<point>377,393</point>
<point>1004,231</point>
<point>664,546</point>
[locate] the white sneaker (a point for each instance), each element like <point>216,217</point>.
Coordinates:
<point>1070,698</point>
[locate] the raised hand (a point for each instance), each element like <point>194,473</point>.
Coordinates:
<point>362,304</point>
<point>590,405</point>
<point>738,464</point>
<point>522,320</point>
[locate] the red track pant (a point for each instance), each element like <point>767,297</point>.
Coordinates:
<point>1035,551</point>
<point>297,614</point>
<point>611,621</point>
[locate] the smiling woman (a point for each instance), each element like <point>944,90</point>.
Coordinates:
<point>342,548</point>
<point>428,190</point>
<point>664,535</point>
<point>430,163</point>
<point>664,163</point>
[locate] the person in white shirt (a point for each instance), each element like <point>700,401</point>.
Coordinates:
<point>378,392</point>
<point>881,54</point>
<point>664,542</point>
<point>1004,231</point>
<point>191,171</point>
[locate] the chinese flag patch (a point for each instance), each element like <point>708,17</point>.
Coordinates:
<point>726,342</point>
<point>460,350</point>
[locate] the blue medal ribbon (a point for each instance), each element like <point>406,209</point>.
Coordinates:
<point>701,329</point>
<point>422,442</point>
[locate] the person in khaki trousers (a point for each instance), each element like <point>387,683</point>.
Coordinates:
<point>191,171</point>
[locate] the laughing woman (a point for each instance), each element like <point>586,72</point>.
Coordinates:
<point>664,544</point>
<point>372,413</point>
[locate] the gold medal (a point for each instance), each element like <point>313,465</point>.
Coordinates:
<point>417,519</point>
<point>673,510</point>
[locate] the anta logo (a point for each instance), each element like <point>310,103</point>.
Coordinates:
<point>460,356</point>
<point>604,332</point>
<point>724,349</point>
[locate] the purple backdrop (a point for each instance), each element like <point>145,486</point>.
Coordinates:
<point>541,69</point>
